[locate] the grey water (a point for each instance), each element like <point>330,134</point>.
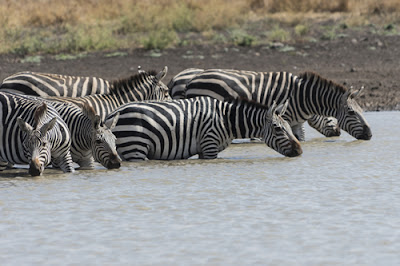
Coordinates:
<point>336,204</point>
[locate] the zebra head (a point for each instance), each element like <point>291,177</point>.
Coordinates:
<point>326,125</point>
<point>350,116</point>
<point>278,133</point>
<point>103,140</point>
<point>160,90</point>
<point>36,143</point>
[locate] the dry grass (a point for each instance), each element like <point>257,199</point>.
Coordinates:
<point>60,26</point>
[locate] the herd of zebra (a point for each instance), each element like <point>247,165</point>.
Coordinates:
<point>58,120</point>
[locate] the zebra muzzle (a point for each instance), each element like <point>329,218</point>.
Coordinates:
<point>296,149</point>
<point>35,168</point>
<point>114,162</point>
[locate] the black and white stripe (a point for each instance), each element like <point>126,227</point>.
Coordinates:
<point>177,87</point>
<point>205,126</point>
<point>142,86</point>
<point>48,141</point>
<point>309,94</point>
<point>45,84</point>
<point>91,140</point>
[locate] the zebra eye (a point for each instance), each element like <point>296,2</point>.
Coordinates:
<point>278,129</point>
<point>351,112</point>
<point>98,141</point>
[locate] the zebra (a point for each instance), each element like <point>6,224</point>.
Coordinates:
<point>146,85</point>
<point>309,94</point>
<point>46,84</point>
<point>21,143</point>
<point>177,86</point>
<point>179,129</point>
<point>90,139</point>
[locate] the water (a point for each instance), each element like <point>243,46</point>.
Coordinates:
<point>336,204</point>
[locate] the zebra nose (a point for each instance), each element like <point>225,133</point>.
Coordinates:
<point>115,162</point>
<point>296,149</point>
<point>335,132</point>
<point>34,168</point>
<point>366,135</point>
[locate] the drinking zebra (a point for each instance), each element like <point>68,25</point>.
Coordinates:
<point>45,84</point>
<point>177,86</point>
<point>89,138</point>
<point>48,141</point>
<point>179,129</point>
<point>146,85</point>
<point>309,94</point>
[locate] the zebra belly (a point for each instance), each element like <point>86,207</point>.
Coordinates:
<point>138,144</point>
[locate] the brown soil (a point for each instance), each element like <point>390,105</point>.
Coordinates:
<point>365,60</point>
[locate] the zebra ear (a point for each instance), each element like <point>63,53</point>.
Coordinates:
<point>25,127</point>
<point>357,93</point>
<point>113,122</point>
<point>48,126</point>
<point>271,110</point>
<point>139,70</point>
<point>281,109</point>
<point>40,113</point>
<point>162,74</point>
<point>96,121</point>
<point>88,110</point>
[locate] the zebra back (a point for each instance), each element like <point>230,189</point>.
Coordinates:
<point>177,85</point>
<point>179,129</point>
<point>45,84</point>
<point>32,132</point>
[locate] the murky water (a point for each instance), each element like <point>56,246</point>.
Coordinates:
<point>339,203</point>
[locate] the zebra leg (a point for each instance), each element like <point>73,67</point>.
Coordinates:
<point>86,163</point>
<point>208,150</point>
<point>299,131</point>
<point>4,165</point>
<point>64,163</point>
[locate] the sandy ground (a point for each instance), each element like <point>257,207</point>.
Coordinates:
<point>365,60</point>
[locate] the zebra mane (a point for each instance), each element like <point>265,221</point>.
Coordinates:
<point>133,79</point>
<point>88,111</point>
<point>326,83</point>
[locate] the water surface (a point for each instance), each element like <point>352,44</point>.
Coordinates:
<point>338,203</point>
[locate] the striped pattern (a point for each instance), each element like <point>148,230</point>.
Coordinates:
<point>205,126</point>
<point>177,87</point>
<point>45,84</point>
<point>90,140</point>
<point>309,94</point>
<point>22,143</point>
<point>139,87</point>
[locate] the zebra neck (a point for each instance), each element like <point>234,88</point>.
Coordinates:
<point>246,120</point>
<point>312,98</point>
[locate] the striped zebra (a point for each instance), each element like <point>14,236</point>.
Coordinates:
<point>146,85</point>
<point>309,94</point>
<point>179,129</point>
<point>325,125</point>
<point>90,139</point>
<point>45,84</point>
<point>48,141</point>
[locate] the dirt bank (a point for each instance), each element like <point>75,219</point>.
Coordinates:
<point>365,60</point>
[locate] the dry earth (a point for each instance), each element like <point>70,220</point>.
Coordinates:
<point>365,60</point>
